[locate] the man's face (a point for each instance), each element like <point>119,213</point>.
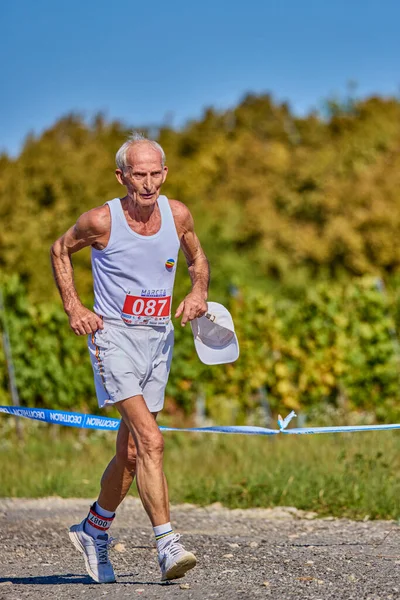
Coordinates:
<point>144,174</point>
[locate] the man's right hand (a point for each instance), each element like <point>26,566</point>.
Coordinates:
<point>83,321</point>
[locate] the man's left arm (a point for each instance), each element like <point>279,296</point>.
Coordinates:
<point>195,303</point>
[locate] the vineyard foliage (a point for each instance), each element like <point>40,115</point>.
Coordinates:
<point>335,348</point>
<point>299,218</point>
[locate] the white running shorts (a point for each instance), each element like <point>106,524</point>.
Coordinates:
<point>131,360</point>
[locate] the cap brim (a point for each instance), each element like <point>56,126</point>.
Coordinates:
<point>218,355</point>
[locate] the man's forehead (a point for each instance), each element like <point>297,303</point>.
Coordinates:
<point>143,153</point>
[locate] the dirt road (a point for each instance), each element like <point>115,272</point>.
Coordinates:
<point>260,553</point>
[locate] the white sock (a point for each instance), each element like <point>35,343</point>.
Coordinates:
<point>98,520</point>
<point>163,533</point>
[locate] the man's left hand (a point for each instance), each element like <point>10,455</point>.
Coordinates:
<point>191,307</point>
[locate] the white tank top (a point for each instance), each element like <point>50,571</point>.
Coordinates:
<point>134,275</point>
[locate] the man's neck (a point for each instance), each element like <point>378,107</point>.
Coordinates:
<point>141,214</point>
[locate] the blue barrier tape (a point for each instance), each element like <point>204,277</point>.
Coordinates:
<point>344,429</point>
<point>244,429</point>
<point>83,421</point>
<point>61,417</point>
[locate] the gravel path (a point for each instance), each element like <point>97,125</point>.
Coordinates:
<point>278,553</point>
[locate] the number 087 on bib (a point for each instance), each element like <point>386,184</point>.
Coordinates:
<point>146,310</point>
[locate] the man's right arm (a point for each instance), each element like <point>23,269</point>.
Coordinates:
<point>92,227</point>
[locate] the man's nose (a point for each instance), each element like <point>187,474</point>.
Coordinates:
<point>147,182</point>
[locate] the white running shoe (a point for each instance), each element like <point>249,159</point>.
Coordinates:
<point>95,553</point>
<point>174,560</point>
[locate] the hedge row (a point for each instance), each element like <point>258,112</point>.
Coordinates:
<point>336,347</point>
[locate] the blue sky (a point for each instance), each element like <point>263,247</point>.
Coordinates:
<point>145,62</point>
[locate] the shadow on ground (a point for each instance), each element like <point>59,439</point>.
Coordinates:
<point>71,578</point>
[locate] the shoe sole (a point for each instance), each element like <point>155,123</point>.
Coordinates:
<point>77,543</point>
<point>181,567</point>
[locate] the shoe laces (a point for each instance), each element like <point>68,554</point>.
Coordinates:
<point>172,547</point>
<point>102,543</point>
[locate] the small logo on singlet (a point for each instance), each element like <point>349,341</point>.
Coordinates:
<point>169,264</point>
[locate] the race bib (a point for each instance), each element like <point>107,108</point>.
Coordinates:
<point>147,307</point>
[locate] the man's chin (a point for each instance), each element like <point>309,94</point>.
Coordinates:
<point>147,200</point>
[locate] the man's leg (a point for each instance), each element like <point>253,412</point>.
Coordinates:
<point>174,560</point>
<point>149,444</point>
<point>120,472</point>
<point>118,476</point>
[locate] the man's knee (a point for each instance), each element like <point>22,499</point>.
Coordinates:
<point>151,444</point>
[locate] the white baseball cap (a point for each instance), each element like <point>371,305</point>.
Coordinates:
<point>214,336</point>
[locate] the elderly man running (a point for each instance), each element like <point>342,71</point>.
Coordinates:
<point>135,242</point>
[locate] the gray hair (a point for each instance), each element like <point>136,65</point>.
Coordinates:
<point>120,157</point>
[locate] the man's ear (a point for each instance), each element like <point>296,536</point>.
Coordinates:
<point>165,173</point>
<point>120,176</point>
